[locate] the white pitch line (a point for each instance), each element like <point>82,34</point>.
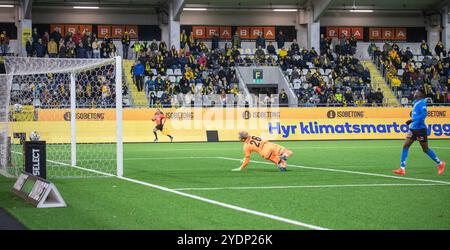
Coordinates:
<point>311,186</point>
<point>303,148</point>
<point>233,207</point>
<point>199,198</point>
<point>239,148</point>
<point>345,171</point>
<point>170,158</point>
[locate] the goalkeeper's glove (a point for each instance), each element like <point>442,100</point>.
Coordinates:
<point>408,122</point>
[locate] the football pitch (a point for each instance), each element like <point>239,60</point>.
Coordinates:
<point>328,185</point>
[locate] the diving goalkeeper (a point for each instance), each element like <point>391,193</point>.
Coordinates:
<point>269,151</point>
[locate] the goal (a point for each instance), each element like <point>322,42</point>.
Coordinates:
<point>74,105</point>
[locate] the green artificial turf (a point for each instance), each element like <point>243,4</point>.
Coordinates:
<point>328,199</point>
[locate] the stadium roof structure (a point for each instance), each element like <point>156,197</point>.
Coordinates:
<point>101,3</point>
<point>379,5</point>
<point>332,4</point>
<point>376,5</point>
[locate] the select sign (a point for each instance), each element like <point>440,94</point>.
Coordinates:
<point>35,158</point>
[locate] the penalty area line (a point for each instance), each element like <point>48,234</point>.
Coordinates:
<point>199,198</point>
<point>311,186</point>
<point>345,171</point>
<point>226,205</point>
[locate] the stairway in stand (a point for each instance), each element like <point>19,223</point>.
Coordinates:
<point>378,81</point>
<point>138,98</point>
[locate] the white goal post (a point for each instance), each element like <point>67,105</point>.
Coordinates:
<point>75,105</point>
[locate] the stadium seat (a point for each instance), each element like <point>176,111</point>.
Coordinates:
<point>274,98</point>
<point>289,72</point>
<point>177,72</point>
<point>404,101</point>
<point>297,81</point>
<point>169,72</point>
<point>154,72</point>
<point>172,78</point>
<point>230,97</point>
<point>36,102</point>
<point>206,101</point>
<point>214,98</point>
<point>262,98</point>
<point>321,71</point>
<point>305,71</point>
<point>15,87</point>
<point>400,72</point>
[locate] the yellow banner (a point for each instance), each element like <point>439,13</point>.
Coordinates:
<point>22,113</point>
<point>81,114</point>
<point>188,124</point>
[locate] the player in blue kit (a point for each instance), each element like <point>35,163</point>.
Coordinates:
<point>418,131</point>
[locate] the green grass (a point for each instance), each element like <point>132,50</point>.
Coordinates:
<point>110,203</point>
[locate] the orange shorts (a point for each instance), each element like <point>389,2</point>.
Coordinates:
<point>272,152</point>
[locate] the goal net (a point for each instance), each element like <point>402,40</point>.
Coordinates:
<point>74,105</point>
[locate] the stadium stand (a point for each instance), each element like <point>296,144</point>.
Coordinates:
<point>52,90</point>
<point>332,76</point>
<point>405,72</point>
<point>335,78</point>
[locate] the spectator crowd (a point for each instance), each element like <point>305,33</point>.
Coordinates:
<point>204,70</point>
<point>94,88</point>
<point>407,72</point>
<point>81,44</point>
<point>332,76</point>
<point>4,43</point>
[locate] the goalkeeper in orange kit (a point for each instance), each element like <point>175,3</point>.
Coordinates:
<point>269,151</point>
